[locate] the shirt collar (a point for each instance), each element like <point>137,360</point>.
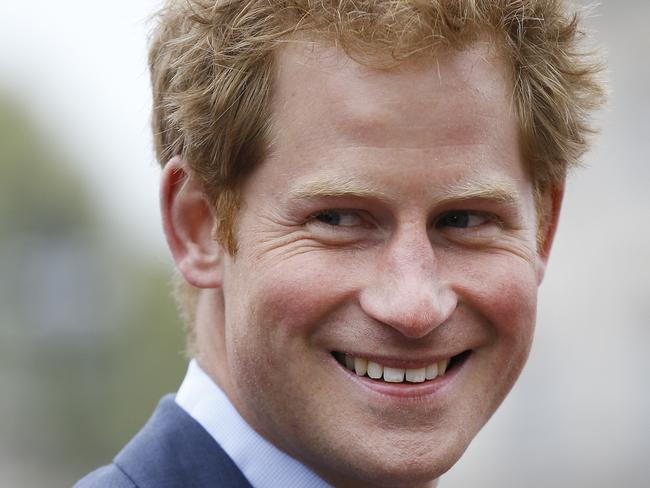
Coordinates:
<point>263,464</point>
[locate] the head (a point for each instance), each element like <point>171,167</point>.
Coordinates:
<point>373,181</point>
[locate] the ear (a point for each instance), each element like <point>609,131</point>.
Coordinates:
<point>549,208</point>
<point>190,226</point>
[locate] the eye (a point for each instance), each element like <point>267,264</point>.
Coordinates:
<point>339,218</point>
<point>462,219</point>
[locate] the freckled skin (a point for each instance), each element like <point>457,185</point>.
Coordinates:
<point>389,276</point>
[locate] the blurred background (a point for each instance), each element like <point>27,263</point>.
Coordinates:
<point>89,337</point>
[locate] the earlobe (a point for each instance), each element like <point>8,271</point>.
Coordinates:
<point>549,208</point>
<point>189,226</point>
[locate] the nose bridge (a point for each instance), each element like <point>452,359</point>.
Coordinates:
<point>408,292</point>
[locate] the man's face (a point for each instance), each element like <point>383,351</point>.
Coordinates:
<point>392,223</point>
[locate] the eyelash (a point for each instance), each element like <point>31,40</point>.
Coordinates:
<point>467,215</point>
<point>331,214</point>
<point>463,215</point>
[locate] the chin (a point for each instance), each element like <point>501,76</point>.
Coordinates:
<point>398,463</point>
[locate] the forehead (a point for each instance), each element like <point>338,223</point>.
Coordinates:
<point>448,119</point>
<point>456,90</point>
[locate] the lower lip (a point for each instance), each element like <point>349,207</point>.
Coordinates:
<point>412,391</point>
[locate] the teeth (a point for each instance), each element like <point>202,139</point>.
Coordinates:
<point>442,366</point>
<point>431,371</point>
<point>393,375</point>
<point>377,371</point>
<point>349,361</point>
<point>416,375</point>
<point>360,366</point>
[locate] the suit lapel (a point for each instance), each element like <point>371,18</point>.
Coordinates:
<point>172,450</point>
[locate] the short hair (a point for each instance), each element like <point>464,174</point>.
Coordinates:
<point>212,65</point>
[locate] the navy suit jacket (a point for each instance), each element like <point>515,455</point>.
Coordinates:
<point>171,451</point>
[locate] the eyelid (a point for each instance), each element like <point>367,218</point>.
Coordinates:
<point>358,220</point>
<point>489,218</point>
<point>365,220</point>
<point>339,211</point>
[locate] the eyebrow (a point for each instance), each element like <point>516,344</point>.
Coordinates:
<point>496,190</point>
<point>336,187</point>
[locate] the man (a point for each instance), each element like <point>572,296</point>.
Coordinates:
<point>360,198</point>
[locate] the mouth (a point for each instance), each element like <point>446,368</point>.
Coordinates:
<point>376,369</point>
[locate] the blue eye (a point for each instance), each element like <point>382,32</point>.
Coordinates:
<point>339,218</point>
<point>461,219</point>
<point>329,217</point>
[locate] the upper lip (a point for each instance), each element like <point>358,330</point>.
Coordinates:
<point>402,360</point>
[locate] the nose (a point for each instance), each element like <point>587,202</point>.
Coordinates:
<point>407,291</point>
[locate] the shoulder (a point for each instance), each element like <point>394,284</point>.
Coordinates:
<point>106,477</point>
<point>172,450</point>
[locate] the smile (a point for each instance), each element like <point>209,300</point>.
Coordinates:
<point>390,374</point>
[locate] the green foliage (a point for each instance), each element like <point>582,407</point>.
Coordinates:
<point>38,190</point>
<point>89,337</point>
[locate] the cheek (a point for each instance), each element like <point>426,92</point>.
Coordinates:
<point>511,300</point>
<point>283,300</point>
<point>502,290</point>
<point>512,315</point>
<point>503,298</point>
<point>274,314</point>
